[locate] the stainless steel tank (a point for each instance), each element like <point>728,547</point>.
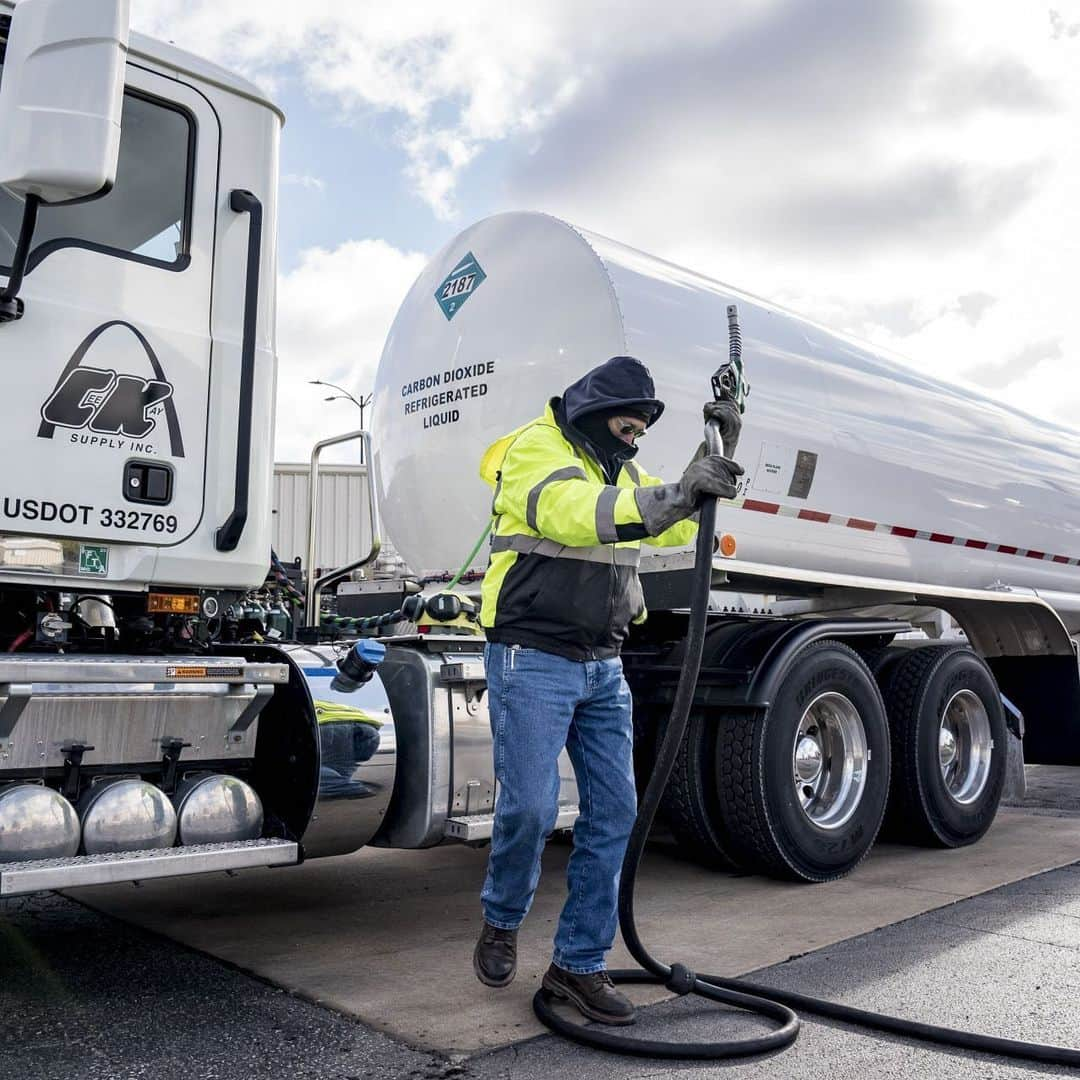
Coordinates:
<point>855,464</point>
<point>212,808</point>
<point>126,814</point>
<point>36,822</point>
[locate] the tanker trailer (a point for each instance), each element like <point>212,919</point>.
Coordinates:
<point>871,493</point>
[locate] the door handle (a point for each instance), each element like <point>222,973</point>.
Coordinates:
<point>228,536</point>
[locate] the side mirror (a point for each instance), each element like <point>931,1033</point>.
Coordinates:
<point>60,97</point>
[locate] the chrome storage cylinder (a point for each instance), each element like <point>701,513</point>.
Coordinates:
<point>126,815</point>
<point>212,808</point>
<point>36,822</point>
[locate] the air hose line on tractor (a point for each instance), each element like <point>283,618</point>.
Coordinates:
<point>767,1001</point>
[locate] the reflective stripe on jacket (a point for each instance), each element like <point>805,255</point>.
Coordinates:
<point>565,545</point>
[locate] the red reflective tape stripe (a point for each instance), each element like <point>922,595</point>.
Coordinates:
<point>901,530</point>
<point>761,507</point>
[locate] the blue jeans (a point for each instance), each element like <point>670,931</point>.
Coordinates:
<point>538,704</point>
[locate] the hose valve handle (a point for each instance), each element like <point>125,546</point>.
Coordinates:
<point>728,383</point>
<point>734,334</point>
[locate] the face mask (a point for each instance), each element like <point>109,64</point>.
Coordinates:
<point>594,426</point>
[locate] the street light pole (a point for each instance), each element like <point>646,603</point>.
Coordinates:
<point>344,394</point>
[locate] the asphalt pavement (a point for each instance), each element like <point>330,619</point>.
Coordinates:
<point>384,936</point>
<point>84,996</point>
<point>1006,963</point>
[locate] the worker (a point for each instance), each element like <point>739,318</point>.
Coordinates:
<point>561,590</point>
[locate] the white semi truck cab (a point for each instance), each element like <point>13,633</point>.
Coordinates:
<point>145,733</point>
<point>137,335</point>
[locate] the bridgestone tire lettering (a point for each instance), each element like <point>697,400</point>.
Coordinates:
<point>759,810</point>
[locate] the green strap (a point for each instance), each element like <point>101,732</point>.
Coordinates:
<point>472,555</point>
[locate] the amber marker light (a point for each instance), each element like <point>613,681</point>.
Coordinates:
<point>172,604</point>
<point>727,546</point>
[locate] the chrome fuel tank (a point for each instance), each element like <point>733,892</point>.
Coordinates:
<point>438,690</point>
<point>358,756</point>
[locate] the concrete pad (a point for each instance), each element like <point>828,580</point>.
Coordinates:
<point>387,936</point>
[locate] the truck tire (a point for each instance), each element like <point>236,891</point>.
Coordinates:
<point>949,744</point>
<point>882,661</point>
<point>803,785</point>
<point>690,806</point>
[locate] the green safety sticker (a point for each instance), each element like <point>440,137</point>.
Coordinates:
<point>459,285</point>
<point>94,559</point>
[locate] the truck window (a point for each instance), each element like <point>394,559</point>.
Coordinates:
<point>144,217</point>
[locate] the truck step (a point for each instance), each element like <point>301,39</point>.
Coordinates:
<point>17,878</point>
<point>474,827</point>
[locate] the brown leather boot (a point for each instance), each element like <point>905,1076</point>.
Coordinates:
<point>593,995</point>
<point>495,956</point>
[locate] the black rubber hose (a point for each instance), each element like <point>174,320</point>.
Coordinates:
<point>766,1001</point>
<point>677,977</point>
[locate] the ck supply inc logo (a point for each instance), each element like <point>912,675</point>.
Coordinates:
<point>118,411</point>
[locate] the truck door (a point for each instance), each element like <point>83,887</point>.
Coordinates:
<point>106,376</point>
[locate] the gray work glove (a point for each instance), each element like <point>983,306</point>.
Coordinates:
<point>664,505</point>
<point>710,475</point>
<point>729,421</point>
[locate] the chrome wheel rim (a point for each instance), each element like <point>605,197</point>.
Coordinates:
<point>829,760</point>
<point>965,747</point>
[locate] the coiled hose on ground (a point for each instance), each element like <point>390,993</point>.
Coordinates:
<point>767,1001</point>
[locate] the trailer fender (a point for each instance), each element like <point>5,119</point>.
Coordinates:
<point>862,635</point>
<point>746,659</point>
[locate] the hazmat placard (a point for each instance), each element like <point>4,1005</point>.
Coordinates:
<point>459,285</point>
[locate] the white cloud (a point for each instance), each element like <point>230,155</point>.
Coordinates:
<point>310,183</point>
<point>334,312</point>
<point>456,76</point>
<point>870,165</point>
<point>1024,347</point>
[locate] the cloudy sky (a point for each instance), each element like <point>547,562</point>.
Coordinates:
<point>907,171</point>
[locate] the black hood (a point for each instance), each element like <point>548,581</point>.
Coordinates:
<point>621,382</point>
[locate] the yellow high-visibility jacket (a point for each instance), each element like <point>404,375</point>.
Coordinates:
<point>565,545</point>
